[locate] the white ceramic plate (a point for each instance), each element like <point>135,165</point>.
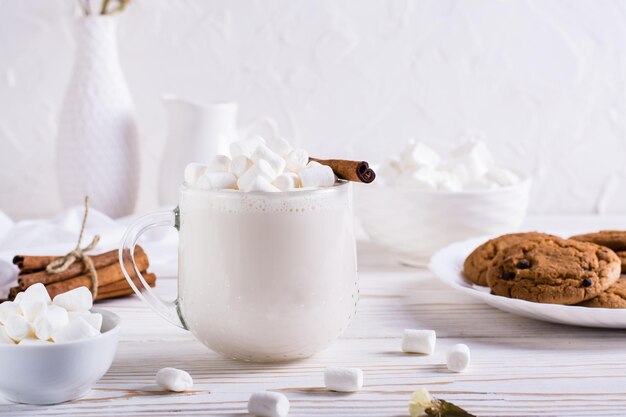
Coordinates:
<point>447,265</point>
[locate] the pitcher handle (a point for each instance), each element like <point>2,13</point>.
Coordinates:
<point>263,120</point>
<point>169,310</point>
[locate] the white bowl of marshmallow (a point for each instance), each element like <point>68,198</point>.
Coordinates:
<point>53,351</point>
<point>422,201</point>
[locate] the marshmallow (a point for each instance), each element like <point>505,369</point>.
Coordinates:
<point>33,341</point>
<point>240,164</point>
<point>458,358</point>
<point>417,155</point>
<point>77,329</point>
<point>343,379</point>
<point>419,341</point>
<point>312,164</point>
<point>279,145</point>
<point>390,169</point>
<point>4,337</point>
<point>261,169</point>
<point>219,163</point>
<point>317,176</point>
<point>480,185</point>
<point>246,146</point>
<point>193,171</point>
<point>260,184</point>
<point>17,327</point>
<point>424,178</point>
<point>7,309</point>
<point>18,297</point>
<point>217,181</point>
<point>95,319</point>
<point>172,379</point>
<point>54,319</point>
<point>287,181</point>
<point>297,160</point>
<point>264,153</point>
<point>32,308</point>
<point>37,292</point>
<point>268,404</point>
<point>471,160</point>
<point>449,182</point>
<point>502,176</point>
<point>78,299</point>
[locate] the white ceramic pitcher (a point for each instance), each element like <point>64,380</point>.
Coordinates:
<point>196,132</point>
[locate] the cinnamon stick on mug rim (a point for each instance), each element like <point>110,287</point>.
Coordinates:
<point>357,171</point>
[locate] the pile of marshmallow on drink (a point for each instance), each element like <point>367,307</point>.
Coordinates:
<point>259,165</point>
<point>34,319</point>
<point>470,166</point>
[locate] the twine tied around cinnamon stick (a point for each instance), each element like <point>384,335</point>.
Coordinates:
<point>78,255</point>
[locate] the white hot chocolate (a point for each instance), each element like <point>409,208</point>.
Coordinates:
<point>267,276</point>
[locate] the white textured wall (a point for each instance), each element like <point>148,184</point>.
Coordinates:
<point>545,80</point>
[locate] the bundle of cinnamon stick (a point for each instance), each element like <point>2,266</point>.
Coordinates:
<point>111,280</point>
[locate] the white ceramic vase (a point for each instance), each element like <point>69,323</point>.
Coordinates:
<point>97,142</point>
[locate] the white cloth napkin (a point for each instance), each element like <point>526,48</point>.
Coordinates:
<point>58,236</point>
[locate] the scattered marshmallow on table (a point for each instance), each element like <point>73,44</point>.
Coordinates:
<point>172,379</point>
<point>419,341</point>
<point>268,404</point>
<point>78,299</point>
<point>458,358</point>
<point>343,379</point>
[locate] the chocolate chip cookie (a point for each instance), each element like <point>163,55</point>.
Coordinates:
<point>612,239</point>
<point>553,270</point>
<point>614,297</point>
<point>478,262</point>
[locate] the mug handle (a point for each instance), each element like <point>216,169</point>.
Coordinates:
<point>169,310</point>
<point>258,123</point>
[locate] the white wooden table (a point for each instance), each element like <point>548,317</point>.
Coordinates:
<point>520,367</point>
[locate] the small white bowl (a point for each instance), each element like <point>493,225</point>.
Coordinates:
<point>58,372</point>
<point>414,224</point>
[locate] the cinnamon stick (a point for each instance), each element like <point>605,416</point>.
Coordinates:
<point>357,171</point>
<point>106,275</point>
<point>115,289</point>
<point>120,288</point>
<point>32,263</point>
<point>27,279</point>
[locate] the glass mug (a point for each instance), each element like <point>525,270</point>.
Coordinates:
<point>262,276</point>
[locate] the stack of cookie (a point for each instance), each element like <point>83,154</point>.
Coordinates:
<point>584,269</point>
